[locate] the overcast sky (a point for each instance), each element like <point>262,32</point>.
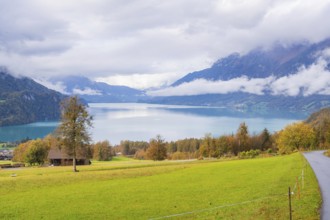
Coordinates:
<point>147,43</point>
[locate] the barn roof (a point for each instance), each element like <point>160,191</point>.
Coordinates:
<point>55,153</point>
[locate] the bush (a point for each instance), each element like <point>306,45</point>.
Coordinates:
<point>180,156</point>
<point>33,152</point>
<point>248,154</point>
<point>157,149</point>
<point>102,151</point>
<point>295,137</point>
<point>140,154</point>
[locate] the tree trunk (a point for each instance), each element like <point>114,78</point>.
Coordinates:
<point>74,164</point>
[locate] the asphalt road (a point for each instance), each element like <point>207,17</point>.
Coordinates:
<point>321,167</point>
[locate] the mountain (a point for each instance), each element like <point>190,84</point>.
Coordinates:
<point>263,104</point>
<point>259,63</point>
<point>93,91</point>
<point>284,78</point>
<point>22,101</point>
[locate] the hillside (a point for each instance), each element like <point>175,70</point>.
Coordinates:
<point>22,101</point>
<point>265,104</point>
<point>320,121</point>
<point>93,91</point>
<point>320,117</point>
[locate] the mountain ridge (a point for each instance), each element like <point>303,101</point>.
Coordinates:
<point>279,77</point>
<point>93,91</point>
<point>23,101</point>
<point>260,63</point>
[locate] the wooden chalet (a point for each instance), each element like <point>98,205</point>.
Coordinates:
<point>58,157</point>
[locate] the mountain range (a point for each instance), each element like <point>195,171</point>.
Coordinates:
<point>92,91</point>
<point>262,63</point>
<point>281,78</point>
<point>22,100</point>
<point>289,78</point>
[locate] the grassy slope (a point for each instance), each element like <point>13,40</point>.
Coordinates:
<point>327,153</point>
<point>143,190</point>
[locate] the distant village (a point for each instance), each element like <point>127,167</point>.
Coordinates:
<point>6,154</point>
<point>7,150</point>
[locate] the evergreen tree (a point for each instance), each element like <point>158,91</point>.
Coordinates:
<point>266,141</point>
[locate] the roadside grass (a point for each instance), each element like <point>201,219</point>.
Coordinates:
<point>327,153</point>
<point>238,189</point>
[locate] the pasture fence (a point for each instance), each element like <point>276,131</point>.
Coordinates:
<point>295,193</point>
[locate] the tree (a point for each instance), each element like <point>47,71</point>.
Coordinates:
<point>223,145</point>
<point>295,137</point>
<point>207,148</point>
<point>20,152</point>
<point>320,121</point>
<point>322,131</point>
<point>125,147</point>
<point>266,141</point>
<point>242,137</point>
<point>140,154</point>
<point>33,152</point>
<point>73,129</point>
<point>37,152</point>
<point>102,151</point>
<point>157,149</point>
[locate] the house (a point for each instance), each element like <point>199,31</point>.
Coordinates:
<point>58,157</point>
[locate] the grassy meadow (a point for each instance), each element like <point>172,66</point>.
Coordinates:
<point>5,162</point>
<point>131,189</point>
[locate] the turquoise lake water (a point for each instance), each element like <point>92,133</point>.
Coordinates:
<point>131,121</point>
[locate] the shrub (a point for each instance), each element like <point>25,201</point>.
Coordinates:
<point>249,154</point>
<point>140,154</point>
<point>157,149</point>
<point>294,137</point>
<point>180,156</point>
<point>33,152</point>
<point>102,151</point>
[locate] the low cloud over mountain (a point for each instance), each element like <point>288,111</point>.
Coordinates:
<point>154,41</point>
<point>308,79</point>
<point>311,80</point>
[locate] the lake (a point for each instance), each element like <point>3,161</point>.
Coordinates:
<point>135,121</point>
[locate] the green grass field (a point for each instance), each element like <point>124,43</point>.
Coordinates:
<point>130,189</point>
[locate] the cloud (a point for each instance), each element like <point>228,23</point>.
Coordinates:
<point>202,86</point>
<point>86,91</point>
<point>308,81</point>
<point>102,39</point>
<point>58,86</point>
<point>140,81</point>
<point>311,80</point>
